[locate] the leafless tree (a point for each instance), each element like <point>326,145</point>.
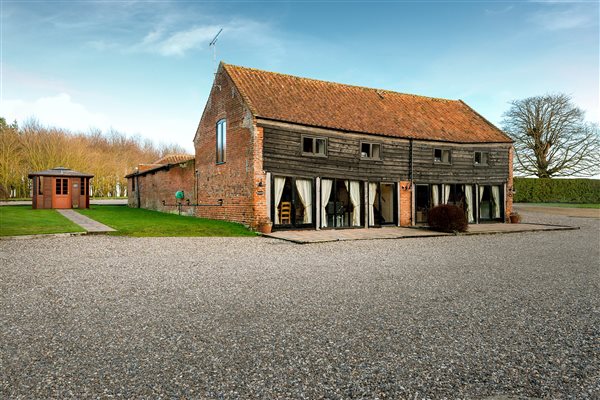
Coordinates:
<point>552,138</point>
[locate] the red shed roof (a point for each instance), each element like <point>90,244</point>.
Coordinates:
<point>318,103</point>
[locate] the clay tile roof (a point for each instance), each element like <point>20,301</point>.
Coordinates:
<point>174,159</point>
<point>312,102</point>
<point>161,163</point>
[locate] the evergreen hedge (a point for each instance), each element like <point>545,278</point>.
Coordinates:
<point>545,190</point>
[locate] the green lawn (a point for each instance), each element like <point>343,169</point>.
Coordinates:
<point>23,220</point>
<point>564,205</point>
<point>139,222</point>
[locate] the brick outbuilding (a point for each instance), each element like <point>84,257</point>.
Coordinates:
<point>153,186</point>
<point>60,187</point>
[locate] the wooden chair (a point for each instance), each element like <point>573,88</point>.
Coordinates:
<point>285,213</point>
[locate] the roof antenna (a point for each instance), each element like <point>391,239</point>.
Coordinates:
<point>213,43</point>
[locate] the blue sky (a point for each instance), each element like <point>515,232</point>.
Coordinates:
<point>144,67</point>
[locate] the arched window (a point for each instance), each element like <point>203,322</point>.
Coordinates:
<point>221,141</point>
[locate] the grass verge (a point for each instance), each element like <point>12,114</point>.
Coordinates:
<point>563,205</point>
<point>23,220</point>
<point>142,223</point>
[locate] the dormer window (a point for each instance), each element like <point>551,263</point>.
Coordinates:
<point>314,146</point>
<point>370,151</point>
<point>442,156</point>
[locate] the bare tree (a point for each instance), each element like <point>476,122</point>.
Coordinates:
<point>551,137</point>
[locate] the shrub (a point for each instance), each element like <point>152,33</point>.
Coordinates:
<point>447,218</point>
<point>545,190</point>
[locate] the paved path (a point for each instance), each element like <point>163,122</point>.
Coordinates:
<point>334,235</point>
<point>86,223</point>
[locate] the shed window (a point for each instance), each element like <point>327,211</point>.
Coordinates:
<point>370,150</point>
<point>39,185</point>
<point>442,156</point>
<point>82,187</point>
<point>481,158</point>
<point>314,146</point>
<point>221,141</point>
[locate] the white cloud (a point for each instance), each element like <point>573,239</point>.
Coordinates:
<point>60,111</point>
<point>571,18</point>
<point>178,42</point>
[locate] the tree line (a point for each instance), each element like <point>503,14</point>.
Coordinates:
<point>109,156</point>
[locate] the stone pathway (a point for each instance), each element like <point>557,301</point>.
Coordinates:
<point>334,235</point>
<point>86,223</point>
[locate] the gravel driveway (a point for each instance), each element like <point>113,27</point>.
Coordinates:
<point>456,317</point>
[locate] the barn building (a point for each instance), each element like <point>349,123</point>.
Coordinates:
<point>60,187</point>
<point>296,153</point>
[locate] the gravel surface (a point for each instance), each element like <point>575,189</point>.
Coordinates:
<point>502,316</point>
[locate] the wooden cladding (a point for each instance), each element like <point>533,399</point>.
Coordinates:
<point>283,154</point>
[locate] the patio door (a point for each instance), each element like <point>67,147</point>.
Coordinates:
<point>293,205</point>
<point>383,204</point>
<point>60,197</point>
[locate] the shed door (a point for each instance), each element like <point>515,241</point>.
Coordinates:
<point>61,198</point>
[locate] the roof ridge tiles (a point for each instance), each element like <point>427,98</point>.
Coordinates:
<point>368,88</point>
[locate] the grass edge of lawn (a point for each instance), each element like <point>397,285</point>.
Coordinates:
<point>34,222</point>
<point>147,223</point>
<point>564,205</point>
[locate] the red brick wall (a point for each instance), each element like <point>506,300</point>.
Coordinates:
<point>237,180</point>
<point>405,204</point>
<point>154,187</point>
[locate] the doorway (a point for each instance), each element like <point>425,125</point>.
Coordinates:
<point>383,204</point>
<point>61,198</point>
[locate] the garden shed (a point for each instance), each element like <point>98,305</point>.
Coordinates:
<point>60,187</point>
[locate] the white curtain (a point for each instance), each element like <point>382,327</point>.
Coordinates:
<point>446,193</point>
<point>304,187</point>
<point>278,184</point>
<point>481,188</point>
<point>469,198</point>
<point>435,195</point>
<point>372,196</point>
<point>496,200</point>
<point>354,191</point>
<point>326,185</point>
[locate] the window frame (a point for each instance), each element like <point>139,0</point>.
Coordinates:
<point>370,157</point>
<point>441,160</point>
<point>221,141</point>
<point>314,142</point>
<point>481,164</point>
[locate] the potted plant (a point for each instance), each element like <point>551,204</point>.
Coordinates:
<point>515,217</point>
<point>265,227</point>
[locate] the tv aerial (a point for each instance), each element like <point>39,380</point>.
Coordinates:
<point>213,44</point>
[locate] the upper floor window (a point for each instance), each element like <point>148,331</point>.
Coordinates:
<point>370,150</point>
<point>442,156</point>
<point>221,140</point>
<point>481,158</point>
<point>314,146</point>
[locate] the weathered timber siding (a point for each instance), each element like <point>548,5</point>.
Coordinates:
<point>462,168</point>
<point>283,155</point>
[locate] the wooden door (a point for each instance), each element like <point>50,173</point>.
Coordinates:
<point>60,195</point>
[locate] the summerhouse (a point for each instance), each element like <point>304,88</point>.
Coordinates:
<point>60,187</point>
